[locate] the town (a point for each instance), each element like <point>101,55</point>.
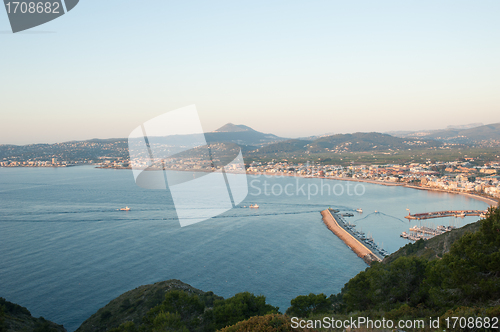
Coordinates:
<point>456,176</point>
<point>464,175</point>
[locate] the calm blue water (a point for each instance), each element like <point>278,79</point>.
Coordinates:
<point>66,250</point>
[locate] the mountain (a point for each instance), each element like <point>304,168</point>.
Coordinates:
<point>357,142</point>
<point>241,135</point>
<point>458,134</point>
<point>229,127</point>
<point>13,318</point>
<point>95,150</point>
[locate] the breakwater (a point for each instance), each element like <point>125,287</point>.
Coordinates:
<point>359,248</point>
<point>443,214</point>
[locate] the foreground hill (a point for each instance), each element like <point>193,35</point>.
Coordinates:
<point>435,247</point>
<point>456,274</point>
<point>13,317</point>
<point>133,305</point>
<point>174,306</point>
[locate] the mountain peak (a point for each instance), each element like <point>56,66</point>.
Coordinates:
<point>231,128</point>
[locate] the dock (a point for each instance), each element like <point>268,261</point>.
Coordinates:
<point>443,214</point>
<point>421,232</point>
<point>335,224</point>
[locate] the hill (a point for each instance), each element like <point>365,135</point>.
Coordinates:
<point>229,127</point>
<point>433,248</point>
<point>133,305</point>
<point>454,273</point>
<point>357,142</point>
<point>460,134</point>
<point>174,306</point>
<point>289,146</point>
<point>15,318</point>
<point>242,135</point>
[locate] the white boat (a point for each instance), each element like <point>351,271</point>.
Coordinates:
<point>125,209</point>
<point>359,210</point>
<point>254,206</point>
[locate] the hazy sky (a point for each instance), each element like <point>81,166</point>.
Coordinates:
<point>293,68</point>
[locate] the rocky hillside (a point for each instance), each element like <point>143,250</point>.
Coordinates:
<point>433,248</point>
<point>133,305</point>
<point>14,318</point>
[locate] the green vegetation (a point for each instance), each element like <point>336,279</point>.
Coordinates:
<point>416,283</point>
<point>304,305</point>
<point>267,323</point>
<point>181,311</point>
<point>14,317</point>
<point>376,157</point>
<point>453,274</point>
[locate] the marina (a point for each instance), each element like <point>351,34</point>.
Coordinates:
<point>361,245</point>
<point>422,232</point>
<point>450,213</point>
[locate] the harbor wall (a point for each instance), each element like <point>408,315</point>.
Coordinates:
<point>356,246</point>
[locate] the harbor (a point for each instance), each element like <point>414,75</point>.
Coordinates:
<point>449,213</point>
<point>364,247</point>
<point>422,232</point>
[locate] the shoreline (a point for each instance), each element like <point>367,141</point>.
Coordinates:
<point>491,201</point>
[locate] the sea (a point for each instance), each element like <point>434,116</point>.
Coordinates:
<point>67,249</point>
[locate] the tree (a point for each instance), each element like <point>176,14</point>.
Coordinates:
<point>239,307</point>
<point>304,305</point>
<point>470,272</point>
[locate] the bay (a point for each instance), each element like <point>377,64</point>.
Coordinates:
<point>67,250</point>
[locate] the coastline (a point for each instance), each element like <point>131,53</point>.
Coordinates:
<point>489,200</point>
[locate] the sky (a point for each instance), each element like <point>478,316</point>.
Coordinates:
<point>291,68</point>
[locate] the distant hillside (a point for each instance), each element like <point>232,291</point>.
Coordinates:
<point>14,318</point>
<point>348,143</point>
<point>68,151</point>
<point>242,135</point>
<point>293,145</point>
<point>367,142</point>
<point>96,149</point>
<point>458,134</point>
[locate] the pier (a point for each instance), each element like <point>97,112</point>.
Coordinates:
<point>421,232</point>
<point>337,225</point>
<point>443,214</point>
